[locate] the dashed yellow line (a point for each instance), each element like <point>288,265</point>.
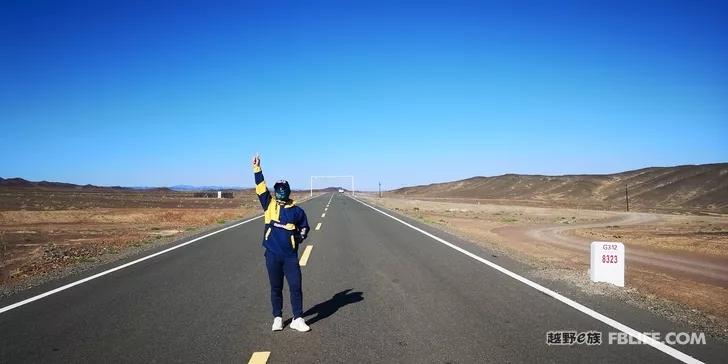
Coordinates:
<point>259,357</point>
<point>304,257</point>
<point>318,227</point>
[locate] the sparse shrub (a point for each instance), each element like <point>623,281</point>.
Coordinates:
<point>221,221</point>
<point>3,249</point>
<point>85,259</point>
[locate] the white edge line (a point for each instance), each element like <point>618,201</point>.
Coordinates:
<point>586,310</point>
<point>101,274</point>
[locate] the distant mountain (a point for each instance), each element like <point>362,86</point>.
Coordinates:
<point>23,183</point>
<point>689,187</point>
<point>331,189</point>
<point>20,182</point>
<point>46,185</point>
<point>203,188</point>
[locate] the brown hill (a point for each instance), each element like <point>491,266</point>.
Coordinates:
<point>681,188</point>
<point>20,183</point>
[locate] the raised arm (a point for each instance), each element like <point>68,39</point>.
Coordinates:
<point>260,187</point>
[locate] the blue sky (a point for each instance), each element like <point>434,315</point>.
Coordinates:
<point>136,93</point>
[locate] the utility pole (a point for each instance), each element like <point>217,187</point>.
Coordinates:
<point>380,189</point>
<point>626,196</point>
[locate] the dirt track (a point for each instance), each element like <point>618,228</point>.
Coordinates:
<point>707,269</point>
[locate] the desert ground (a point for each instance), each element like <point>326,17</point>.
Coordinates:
<point>46,233</point>
<point>676,264</point>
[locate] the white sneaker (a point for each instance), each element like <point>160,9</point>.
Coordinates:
<point>299,325</point>
<point>277,324</point>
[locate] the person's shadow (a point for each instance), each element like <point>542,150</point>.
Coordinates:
<point>330,306</point>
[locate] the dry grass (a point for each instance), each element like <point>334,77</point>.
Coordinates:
<point>697,234</point>
<point>39,242</point>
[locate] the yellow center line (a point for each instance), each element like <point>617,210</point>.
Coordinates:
<point>259,357</point>
<point>318,226</point>
<point>304,257</point>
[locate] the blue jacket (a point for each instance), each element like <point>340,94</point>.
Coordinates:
<point>286,225</point>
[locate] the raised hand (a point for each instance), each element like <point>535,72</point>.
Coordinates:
<point>256,160</point>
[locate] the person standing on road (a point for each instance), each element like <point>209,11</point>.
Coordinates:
<point>286,227</point>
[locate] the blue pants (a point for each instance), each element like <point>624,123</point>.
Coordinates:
<point>278,267</point>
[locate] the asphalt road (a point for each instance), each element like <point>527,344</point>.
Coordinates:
<point>375,290</point>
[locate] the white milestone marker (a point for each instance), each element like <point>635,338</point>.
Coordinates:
<point>607,262</point>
